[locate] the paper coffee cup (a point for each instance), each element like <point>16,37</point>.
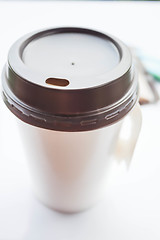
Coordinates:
<point>71,89</point>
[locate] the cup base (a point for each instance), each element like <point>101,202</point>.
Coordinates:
<point>62,210</point>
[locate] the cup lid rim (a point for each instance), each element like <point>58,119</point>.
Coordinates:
<point>68,109</point>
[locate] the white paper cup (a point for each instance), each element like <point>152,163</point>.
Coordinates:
<point>72,90</point>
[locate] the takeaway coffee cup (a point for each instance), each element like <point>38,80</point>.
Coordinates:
<point>72,90</point>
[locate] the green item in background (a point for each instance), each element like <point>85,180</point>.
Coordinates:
<point>151,63</point>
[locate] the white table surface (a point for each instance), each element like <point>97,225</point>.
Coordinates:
<point>131,209</point>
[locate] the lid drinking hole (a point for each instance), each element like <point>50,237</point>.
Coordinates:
<point>57,82</point>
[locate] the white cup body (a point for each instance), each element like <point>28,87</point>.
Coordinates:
<point>70,169</point>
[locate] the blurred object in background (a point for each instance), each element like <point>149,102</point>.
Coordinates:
<point>151,62</point>
<point>147,74</point>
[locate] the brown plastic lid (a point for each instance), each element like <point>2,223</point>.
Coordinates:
<point>69,79</point>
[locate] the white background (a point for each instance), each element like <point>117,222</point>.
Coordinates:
<point>131,209</point>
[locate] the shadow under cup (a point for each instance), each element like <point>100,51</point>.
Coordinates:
<point>71,89</point>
